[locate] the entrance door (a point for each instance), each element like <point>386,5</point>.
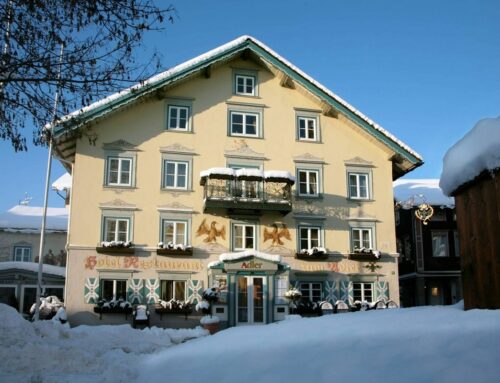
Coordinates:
<point>250,307</point>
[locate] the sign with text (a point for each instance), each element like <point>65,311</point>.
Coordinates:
<point>105,262</point>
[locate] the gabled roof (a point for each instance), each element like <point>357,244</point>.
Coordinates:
<point>73,121</point>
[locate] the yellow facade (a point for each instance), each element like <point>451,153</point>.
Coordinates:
<point>140,131</point>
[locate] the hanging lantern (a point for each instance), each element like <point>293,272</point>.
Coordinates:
<point>424,212</point>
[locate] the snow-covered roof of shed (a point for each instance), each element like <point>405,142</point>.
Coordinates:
<point>62,183</point>
<point>28,219</point>
<point>33,266</point>
<point>413,192</point>
<point>477,151</point>
<point>114,101</point>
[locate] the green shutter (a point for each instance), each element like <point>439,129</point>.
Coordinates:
<point>152,290</point>
<point>135,293</point>
<point>194,291</point>
<point>346,292</point>
<point>91,290</point>
<point>330,292</point>
<point>382,290</point>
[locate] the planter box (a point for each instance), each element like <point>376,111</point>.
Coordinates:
<point>369,257</point>
<point>159,309</point>
<point>113,310</point>
<point>313,257</point>
<point>115,250</point>
<point>174,252</point>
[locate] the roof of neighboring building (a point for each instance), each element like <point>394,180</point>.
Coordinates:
<point>477,151</point>
<point>63,183</point>
<point>28,219</point>
<point>33,266</point>
<point>412,192</point>
<point>405,157</point>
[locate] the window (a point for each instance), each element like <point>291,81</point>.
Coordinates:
<point>309,237</point>
<point>116,229</point>
<point>119,171</point>
<point>175,232</point>
<point>114,289</point>
<point>440,244</point>
<point>244,124</point>
<point>175,174</point>
<point>311,291</point>
<point>178,118</point>
<point>361,238</point>
<point>307,129</point>
<point>243,237</point>
<point>308,183</point>
<point>173,290</point>
<point>22,254</point>
<point>358,186</point>
<point>281,289</point>
<point>362,292</point>
<point>245,85</point>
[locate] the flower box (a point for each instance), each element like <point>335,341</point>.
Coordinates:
<point>364,255</point>
<point>114,250</point>
<point>312,256</point>
<point>175,252</point>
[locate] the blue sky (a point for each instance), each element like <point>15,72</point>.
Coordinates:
<point>425,70</point>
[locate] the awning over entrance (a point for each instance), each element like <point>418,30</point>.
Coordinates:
<point>249,260</point>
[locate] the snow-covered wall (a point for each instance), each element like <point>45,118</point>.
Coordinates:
<point>477,151</point>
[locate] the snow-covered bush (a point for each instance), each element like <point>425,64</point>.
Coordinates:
<point>173,246</point>
<point>364,250</point>
<point>314,252</point>
<point>116,244</point>
<point>48,307</point>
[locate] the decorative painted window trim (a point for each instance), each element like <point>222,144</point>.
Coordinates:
<point>307,115</point>
<point>25,253</point>
<point>358,166</point>
<point>321,236</point>
<point>121,158</point>
<point>307,169</point>
<point>248,76</point>
<point>246,118</point>
<point>446,248</point>
<point>164,282</point>
<point>255,110</point>
<point>186,159</point>
<point>245,225</point>
<point>117,215</point>
<point>360,228</point>
<point>176,219</point>
<point>354,189</point>
<point>178,104</point>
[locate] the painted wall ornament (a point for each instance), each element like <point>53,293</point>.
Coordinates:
<point>276,234</point>
<point>211,232</point>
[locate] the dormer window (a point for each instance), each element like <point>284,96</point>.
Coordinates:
<point>245,82</point>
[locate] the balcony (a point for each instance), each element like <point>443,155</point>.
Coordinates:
<point>247,189</point>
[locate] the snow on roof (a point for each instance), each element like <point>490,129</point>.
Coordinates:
<point>225,257</point>
<point>62,183</point>
<point>33,266</point>
<point>211,55</point>
<point>477,151</point>
<point>413,192</point>
<point>29,219</point>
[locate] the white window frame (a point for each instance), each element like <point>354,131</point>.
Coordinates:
<point>23,248</point>
<point>357,194</point>
<point>364,286</point>
<point>120,165</point>
<point>309,239</point>
<point>308,182</point>
<point>308,286</point>
<point>101,286</point>
<point>360,230</point>
<point>244,115</point>
<point>106,221</point>
<point>176,174</point>
<point>175,224</point>
<point>245,77</point>
<point>174,282</point>
<point>244,236</point>
<point>178,108</point>
<point>316,132</point>
<point>444,234</point>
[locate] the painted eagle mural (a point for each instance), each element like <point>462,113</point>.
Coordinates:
<point>211,232</point>
<point>276,234</point>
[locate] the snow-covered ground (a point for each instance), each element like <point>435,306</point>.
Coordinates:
<point>425,344</point>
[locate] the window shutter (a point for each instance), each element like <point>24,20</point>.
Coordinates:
<point>135,293</point>
<point>382,290</point>
<point>330,292</point>
<point>152,290</point>
<point>194,291</point>
<point>346,292</point>
<point>91,290</point>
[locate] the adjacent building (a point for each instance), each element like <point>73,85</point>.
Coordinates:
<point>233,169</point>
<point>429,250</point>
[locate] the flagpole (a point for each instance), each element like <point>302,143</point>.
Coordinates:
<point>46,197</point>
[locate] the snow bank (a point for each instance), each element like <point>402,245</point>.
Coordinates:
<point>477,151</point>
<point>33,266</point>
<point>47,351</point>
<point>425,344</point>
<point>413,192</point>
<point>29,219</point>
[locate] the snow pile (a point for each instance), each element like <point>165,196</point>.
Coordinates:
<point>279,174</point>
<point>424,344</point>
<point>62,183</point>
<point>28,219</point>
<point>209,319</point>
<point>249,253</point>
<point>413,192</point>
<point>47,351</point>
<point>218,172</point>
<point>33,266</point>
<point>477,151</point>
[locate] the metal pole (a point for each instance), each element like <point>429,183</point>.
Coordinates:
<point>45,201</point>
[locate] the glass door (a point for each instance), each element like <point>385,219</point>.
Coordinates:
<point>250,300</point>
